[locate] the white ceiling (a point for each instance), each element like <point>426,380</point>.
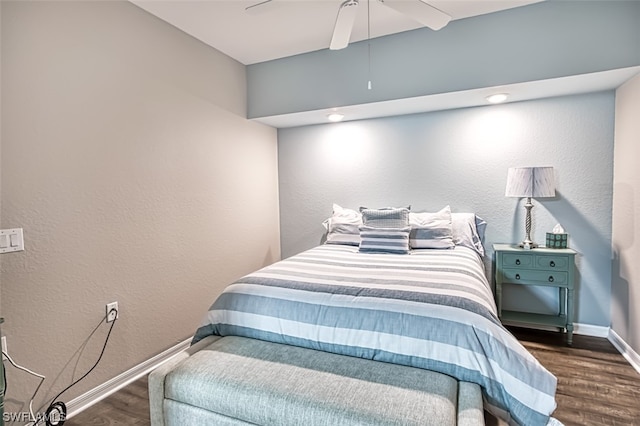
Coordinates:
<point>289,27</point>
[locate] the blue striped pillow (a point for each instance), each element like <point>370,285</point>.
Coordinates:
<point>385,218</point>
<point>384,240</point>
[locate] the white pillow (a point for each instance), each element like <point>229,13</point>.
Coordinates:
<point>343,226</point>
<point>468,231</point>
<point>431,230</point>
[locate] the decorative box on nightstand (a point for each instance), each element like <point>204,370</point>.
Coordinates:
<point>537,267</point>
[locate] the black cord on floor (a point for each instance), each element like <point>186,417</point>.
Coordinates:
<point>4,373</point>
<point>58,410</point>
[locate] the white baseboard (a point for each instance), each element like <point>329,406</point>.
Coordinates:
<point>102,391</point>
<point>591,330</point>
<point>583,329</point>
<point>627,351</point>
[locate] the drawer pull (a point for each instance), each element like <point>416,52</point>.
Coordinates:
<point>517,276</point>
<point>517,261</point>
<point>552,264</point>
<point>550,278</point>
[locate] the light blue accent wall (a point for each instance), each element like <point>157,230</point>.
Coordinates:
<point>540,41</point>
<point>460,157</point>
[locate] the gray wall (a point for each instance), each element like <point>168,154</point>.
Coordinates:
<point>625,279</point>
<point>536,42</point>
<point>128,161</point>
<point>460,157</point>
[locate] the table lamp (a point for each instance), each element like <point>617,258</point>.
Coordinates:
<point>530,182</point>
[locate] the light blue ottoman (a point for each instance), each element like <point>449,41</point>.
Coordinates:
<point>238,381</point>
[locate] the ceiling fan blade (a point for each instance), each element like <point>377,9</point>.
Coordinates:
<point>257,8</point>
<point>420,11</point>
<point>344,25</point>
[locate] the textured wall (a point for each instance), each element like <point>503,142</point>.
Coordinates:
<point>129,164</point>
<point>460,157</point>
<point>625,279</point>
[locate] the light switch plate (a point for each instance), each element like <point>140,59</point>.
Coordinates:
<point>11,240</point>
<point>4,241</point>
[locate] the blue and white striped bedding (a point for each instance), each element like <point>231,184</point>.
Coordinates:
<point>430,309</point>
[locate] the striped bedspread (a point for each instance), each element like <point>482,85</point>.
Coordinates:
<point>430,309</point>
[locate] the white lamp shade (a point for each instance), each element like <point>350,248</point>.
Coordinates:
<point>534,182</point>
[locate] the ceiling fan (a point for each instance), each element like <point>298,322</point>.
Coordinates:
<point>417,10</point>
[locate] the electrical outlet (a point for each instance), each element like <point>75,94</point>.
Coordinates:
<point>4,347</point>
<point>112,316</point>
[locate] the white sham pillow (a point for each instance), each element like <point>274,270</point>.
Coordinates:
<point>431,230</point>
<point>468,231</point>
<point>343,227</point>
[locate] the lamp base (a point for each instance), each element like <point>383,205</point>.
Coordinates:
<point>528,245</point>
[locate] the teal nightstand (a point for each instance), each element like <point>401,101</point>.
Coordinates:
<point>537,267</point>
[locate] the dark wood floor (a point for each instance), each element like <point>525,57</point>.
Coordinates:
<point>596,385</point>
<point>128,406</point>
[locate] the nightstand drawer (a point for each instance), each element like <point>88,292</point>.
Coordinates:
<point>524,276</point>
<point>555,263</point>
<point>517,260</point>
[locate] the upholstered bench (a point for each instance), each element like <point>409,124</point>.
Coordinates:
<point>238,381</point>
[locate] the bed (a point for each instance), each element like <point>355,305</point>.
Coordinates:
<point>424,308</point>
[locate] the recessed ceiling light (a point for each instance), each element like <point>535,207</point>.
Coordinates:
<point>497,98</point>
<point>335,117</point>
